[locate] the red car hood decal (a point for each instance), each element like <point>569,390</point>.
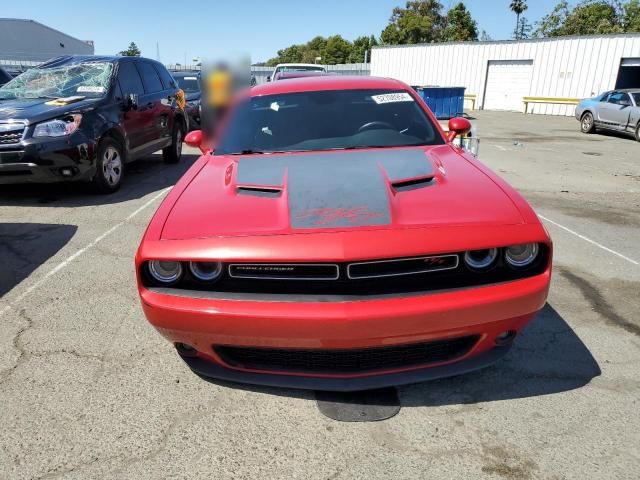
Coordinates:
<point>333,191</point>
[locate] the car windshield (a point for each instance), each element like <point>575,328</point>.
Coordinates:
<point>636,98</point>
<point>299,68</point>
<point>327,120</point>
<point>90,79</point>
<point>188,83</point>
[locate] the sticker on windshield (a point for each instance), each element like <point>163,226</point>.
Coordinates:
<point>191,78</point>
<point>392,98</point>
<point>90,89</point>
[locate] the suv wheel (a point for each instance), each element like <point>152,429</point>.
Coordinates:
<point>172,153</point>
<point>586,123</point>
<point>109,166</point>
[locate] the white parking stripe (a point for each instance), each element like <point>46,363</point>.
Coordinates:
<point>71,258</point>
<point>593,242</point>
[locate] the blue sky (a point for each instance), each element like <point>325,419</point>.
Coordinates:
<point>214,28</point>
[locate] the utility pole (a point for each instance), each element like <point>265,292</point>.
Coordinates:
<point>157,51</point>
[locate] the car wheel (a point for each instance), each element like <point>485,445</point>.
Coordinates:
<point>172,153</point>
<point>586,123</point>
<point>109,166</point>
<point>638,132</point>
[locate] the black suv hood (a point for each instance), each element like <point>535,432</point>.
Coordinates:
<point>36,109</point>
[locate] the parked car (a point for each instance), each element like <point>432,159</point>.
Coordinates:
<point>4,76</point>
<point>294,67</point>
<point>336,239</point>
<point>190,83</point>
<point>83,118</point>
<point>617,110</point>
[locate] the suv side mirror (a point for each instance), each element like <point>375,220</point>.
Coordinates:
<point>131,101</point>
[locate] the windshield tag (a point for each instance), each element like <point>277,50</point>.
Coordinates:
<point>89,89</point>
<point>191,78</point>
<point>392,98</point>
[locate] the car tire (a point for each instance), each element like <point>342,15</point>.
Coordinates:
<point>587,125</point>
<point>109,166</point>
<point>172,153</point>
<point>638,132</point>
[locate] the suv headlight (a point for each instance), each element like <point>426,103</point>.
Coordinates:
<point>59,127</point>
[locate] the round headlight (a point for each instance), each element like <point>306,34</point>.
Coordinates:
<point>206,271</point>
<point>520,256</point>
<point>165,271</point>
<point>480,259</point>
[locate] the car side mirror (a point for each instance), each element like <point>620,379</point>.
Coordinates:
<point>458,126</point>
<point>131,101</point>
<point>625,102</point>
<point>196,139</point>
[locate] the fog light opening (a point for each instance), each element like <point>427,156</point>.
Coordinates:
<point>186,350</point>
<point>506,337</point>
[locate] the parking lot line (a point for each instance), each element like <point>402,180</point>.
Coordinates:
<point>72,257</point>
<point>586,239</point>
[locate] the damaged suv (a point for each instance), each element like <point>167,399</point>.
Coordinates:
<point>83,118</point>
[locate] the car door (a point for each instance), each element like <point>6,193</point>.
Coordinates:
<point>129,83</point>
<point>614,112</point>
<point>155,104</point>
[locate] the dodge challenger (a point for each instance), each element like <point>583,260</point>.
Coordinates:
<point>333,237</point>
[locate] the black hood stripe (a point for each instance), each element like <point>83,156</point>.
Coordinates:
<point>336,189</point>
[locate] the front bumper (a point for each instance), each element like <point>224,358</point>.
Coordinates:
<point>484,311</point>
<point>48,160</point>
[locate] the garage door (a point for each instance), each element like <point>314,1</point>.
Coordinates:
<point>507,82</point>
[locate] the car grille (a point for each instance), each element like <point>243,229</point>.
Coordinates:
<point>348,360</point>
<point>12,136</point>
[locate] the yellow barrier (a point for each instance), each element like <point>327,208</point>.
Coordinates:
<point>549,100</point>
<point>472,98</point>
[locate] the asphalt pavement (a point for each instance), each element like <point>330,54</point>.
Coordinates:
<point>89,390</point>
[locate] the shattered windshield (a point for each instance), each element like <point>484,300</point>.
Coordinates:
<point>89,80</point>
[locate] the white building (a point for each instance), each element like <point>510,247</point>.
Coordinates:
<point>501,73</point>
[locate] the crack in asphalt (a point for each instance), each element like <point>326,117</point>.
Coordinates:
<point>17,345</point>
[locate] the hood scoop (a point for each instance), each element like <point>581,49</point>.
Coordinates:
<point>413,183</point>
<point>259,191</point>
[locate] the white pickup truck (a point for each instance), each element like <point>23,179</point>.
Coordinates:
<point>286,68</point>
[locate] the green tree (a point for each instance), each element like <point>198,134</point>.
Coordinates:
<point>589,17</point>
<point>421,21</point>
<point>336,51</point>
<point>461,27</point>
<point>631,16</point>
<point>360,46</point>
<point>524,29</point>
<point>518,7</point>
<point>131,51</point>
<point>485,37</point>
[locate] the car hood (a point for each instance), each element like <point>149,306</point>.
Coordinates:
<point>36,109</point>
<point>335,191</point>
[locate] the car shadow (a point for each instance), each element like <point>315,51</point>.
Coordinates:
<point>26,246</point>
<point>613,134</point>
<point>143,176</point>
<point>548,357</point>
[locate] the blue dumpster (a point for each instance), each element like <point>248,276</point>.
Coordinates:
<point>444,102</point>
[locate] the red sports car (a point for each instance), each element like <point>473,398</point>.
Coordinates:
<point>336,239</point>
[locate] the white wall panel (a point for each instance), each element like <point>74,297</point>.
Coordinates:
<point>563,67</point>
